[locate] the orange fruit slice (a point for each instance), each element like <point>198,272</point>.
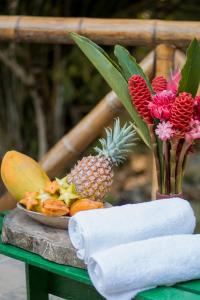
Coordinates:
<point>54,208</point>
<point>84,204</point>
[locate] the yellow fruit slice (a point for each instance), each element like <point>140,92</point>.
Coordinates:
<point>22,174</point>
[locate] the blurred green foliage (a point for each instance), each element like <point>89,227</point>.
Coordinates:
<point>66,86</point>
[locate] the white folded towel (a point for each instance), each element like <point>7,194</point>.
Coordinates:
<point>119,273</point>
<point>95,230</point>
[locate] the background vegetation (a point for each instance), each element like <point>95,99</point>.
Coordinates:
<point>46,89</point>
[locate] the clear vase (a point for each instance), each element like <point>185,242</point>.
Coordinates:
<point>160,196</point>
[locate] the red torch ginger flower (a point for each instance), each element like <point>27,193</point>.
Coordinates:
<point>161,105</point>
<point>164,131</point>
<point>194,132</point>
<point>140,96</point>
<point>159,84</point>
<point>182,112</point>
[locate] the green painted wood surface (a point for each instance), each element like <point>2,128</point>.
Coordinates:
<point>191,286</point>
<point>167,293</point>
<point>4,213</point>
<point>37,261</point>
<point>36,283</point>
<point>1,223</point>
<point>74,284</point>
<point>71,289</point>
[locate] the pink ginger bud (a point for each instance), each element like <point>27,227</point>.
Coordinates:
<point>194,131</point>
<point>173,81</point>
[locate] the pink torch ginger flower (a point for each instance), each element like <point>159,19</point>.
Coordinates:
<point>161,104</point>
<point>174,80</point>
<point>194,132</point>
<point>164,131</point>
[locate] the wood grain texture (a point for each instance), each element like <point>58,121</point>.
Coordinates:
<point>103,31</point>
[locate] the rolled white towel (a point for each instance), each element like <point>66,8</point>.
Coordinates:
<point>119,273</point>
<point>95,230</point>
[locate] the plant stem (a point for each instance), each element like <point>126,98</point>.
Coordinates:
<point>155,153</point>
<point>166,167</point>
<point>173,159</point>
<point>181,165</point>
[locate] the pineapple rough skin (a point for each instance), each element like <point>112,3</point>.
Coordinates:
<point>93,175</point>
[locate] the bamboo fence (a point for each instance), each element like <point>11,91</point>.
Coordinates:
<point>104,31</point>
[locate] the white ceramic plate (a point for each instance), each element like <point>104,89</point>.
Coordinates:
<point>56,222</point>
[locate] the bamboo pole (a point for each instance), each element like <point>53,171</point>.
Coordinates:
<point>74,142</point>
<point>104,31</point>
<point>164,61</point>
<point>179,58</point>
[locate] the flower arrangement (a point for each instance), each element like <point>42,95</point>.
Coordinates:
<point>173,119</point>
<point>166,112</point>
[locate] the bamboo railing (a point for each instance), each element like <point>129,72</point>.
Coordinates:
<point>104,31</point>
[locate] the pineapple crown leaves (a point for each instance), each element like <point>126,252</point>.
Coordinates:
<point>118,142</point>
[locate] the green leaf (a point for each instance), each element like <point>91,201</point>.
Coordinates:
<point>102,51</point>
<point>190,74</point>
<point>129,65</point>
<point>114,78</point>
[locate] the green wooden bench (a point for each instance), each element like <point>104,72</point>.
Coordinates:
<point>44,277</point>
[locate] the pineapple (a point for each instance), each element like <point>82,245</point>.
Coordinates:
<point>93,175</point>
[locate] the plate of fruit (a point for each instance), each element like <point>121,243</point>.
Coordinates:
<point>56,203</point>
<point>61,222</point>
<point>53,202</point>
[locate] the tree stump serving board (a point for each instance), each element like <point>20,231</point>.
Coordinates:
<point>51,243</point>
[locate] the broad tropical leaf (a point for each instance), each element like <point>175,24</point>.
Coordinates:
<point>129,65</point>
<point>104,53</point>
<point>190,74</point>
<point>114,78</point>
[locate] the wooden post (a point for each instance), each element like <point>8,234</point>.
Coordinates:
<point>164,61</point>
<point>74,142</point>
<point>36,283</point>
